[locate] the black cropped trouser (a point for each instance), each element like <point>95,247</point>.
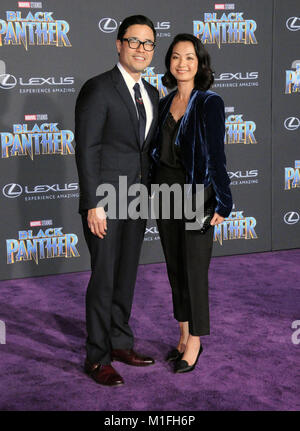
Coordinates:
<point>188,255</point>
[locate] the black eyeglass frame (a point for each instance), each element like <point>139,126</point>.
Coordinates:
<point>133,39</point>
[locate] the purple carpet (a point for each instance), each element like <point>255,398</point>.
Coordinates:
<point>249,360</point>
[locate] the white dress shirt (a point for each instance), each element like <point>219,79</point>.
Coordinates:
<point>130,82</point>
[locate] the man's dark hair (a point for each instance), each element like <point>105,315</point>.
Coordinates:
<point>204,77</point>
<point>132,20</point>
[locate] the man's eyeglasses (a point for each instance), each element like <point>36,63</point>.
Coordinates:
<point>134,43</point>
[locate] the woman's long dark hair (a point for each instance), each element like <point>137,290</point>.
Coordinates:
<point>204,77</point>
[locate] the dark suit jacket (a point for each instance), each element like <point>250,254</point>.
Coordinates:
<point>107,136</point>
<point>201,141</point>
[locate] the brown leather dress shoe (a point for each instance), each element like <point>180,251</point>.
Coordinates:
<point>130,357</point>
<point>103,374</point>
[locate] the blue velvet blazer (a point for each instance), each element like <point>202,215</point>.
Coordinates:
<point>201,141</point>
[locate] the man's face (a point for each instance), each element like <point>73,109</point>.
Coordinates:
<point>135,60</point>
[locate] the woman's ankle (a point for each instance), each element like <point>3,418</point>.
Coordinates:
<point>181,346</point>
<point>193,341</point>
<point>184,336</point>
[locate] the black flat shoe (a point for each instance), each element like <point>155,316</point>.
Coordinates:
<point>174,355</point>
<point>183,367</point>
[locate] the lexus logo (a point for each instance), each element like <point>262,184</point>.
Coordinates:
<point>292,123</point>
<point>151,230</point>
<point>245,174</point>
<point>7,81</point>
<point>108,25</point>
<point>293,23</point>
<point>240,76</point>
<point>12,190</point>
<point>291,218</point>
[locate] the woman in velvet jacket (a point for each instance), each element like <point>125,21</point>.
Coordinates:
<point>189,148</point>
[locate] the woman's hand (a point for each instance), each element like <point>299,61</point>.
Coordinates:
<point>217,219</point>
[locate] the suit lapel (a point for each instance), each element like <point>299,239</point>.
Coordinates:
<point>122,89</point>
<point>153,99</point>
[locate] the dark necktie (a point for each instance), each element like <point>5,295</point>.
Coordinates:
<point>141,111</point>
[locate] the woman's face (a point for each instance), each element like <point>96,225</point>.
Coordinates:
<point>184,62</point>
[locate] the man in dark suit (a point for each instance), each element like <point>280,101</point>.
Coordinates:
<point>116,115</point>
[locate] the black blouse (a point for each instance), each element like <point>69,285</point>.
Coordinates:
<point>170,153</point>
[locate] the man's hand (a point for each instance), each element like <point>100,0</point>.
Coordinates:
<point>96,220</point>
<point>217,219</point>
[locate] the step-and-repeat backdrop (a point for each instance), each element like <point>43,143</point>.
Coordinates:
<point>48,49</point>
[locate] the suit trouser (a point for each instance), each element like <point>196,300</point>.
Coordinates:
<point>188,255</point>
<point>109,296</point>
